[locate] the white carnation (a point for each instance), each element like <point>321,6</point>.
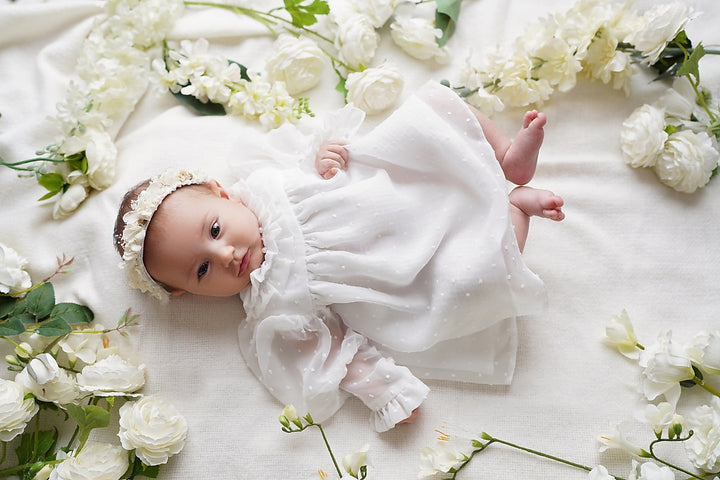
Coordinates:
<point>703,448</point>
<point>15,410</point>
<point>418,38</point>
<point>111,376</point>
<point>298,62</point>
<point>643,136</point>
<point>95,461</point>
<point>688,160</point>
<point>374,89</point>
<point>663,23</point>
<point>13,277</point>
<point>153,428</point>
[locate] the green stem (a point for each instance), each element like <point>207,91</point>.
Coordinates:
<point>544,455</point>
<point>6,472</point>
<point>652,445</point>
<point>16,165</point>
<point>707,387</point>
<point>4,452</point>
<point>327,445</point>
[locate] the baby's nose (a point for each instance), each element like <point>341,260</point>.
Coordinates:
<point>227,255</point>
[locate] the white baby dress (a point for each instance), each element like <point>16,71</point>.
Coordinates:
<point>408,256</point>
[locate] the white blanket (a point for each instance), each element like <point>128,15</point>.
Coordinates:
<point>627,242</point>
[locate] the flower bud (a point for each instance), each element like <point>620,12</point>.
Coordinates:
<point>12,360</point>
<point>24,350</point>
<point>284,421</point>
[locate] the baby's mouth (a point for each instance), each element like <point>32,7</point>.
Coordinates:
<point>244,263</point>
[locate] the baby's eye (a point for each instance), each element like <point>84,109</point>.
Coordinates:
<point>215,230</point>
<point>203,269</point>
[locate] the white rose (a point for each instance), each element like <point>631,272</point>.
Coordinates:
<point>665,364</point>
<point>378,11</point>
<point>112,376</point>
<point>663,24</point>
<point>47,381</point>
<point>13,277</point>
<point>153,428</point>
<point>95,461</point>
<point>69,200</point>
<point>375,89</point>
<point>418,38</point>
<point>705,350</point>
<point>357,41</point>
<point>643,136</point>
<point>620,333</point>
<point>650,471</point>
<point>298,62</point>
<point>703,448</point>
<point>15,410</point>
<point>688,161</point>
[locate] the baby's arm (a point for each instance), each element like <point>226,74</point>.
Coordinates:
<point>330,159</point>
<point>389,390</point>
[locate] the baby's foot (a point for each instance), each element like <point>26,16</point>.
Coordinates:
<point>521,158</point>
<point>539,203</point>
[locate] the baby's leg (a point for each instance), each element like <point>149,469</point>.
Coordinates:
<point>518,157</point>
<point>526,202</point>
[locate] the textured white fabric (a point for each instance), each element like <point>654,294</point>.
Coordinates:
<point>412,246</point>
<point>627,242</point>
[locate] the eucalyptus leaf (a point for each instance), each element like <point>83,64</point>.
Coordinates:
<point>447,14</point>
<point>54,327</point>
<point>72,313</point>
<point>41,300</point>
<point>12,326</point>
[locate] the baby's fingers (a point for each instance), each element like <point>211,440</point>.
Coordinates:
<point>328,167</point>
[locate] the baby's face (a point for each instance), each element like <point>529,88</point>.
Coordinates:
<point>203,242</point>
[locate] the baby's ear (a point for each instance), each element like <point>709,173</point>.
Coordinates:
<point>217,189</point>
<point>176,292</point>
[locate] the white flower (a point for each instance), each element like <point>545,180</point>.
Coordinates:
<point>15,410</point>
<point>418,38</point>
<point>298,62</point>
<point>47,381</point>
<point>650,471</point>
<point>44,473</point>
<point>375,89</point>
<point>619,441</point>
<point>660,416</point>
<point>378,11</point>
<point>665,364</point>
<point>559,65</point>
<point>95,461</point>
<point>83,346</point>
<point>439,459</point>
<point>703,448</point>
<point>69,200</point>
<point>705,350</point>
<point>356,41</point>
<point>688,160</point>
<point>663,23</point>
<point>290,413</point>
<point>352,462</point>
<point>680,101</point>
<point>643,136</point>
<point>153,428</point>
<point>606,63</point>
<point>111,376</point>
<point>620,333</point>
<point>13,277</point>
<point>599,473</point>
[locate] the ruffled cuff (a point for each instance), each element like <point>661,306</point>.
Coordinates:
<point>402,406</point>
<point>391,391</point>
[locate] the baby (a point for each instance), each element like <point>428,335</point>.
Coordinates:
<point>406,247</point>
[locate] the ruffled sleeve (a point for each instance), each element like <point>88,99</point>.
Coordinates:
<point>389,390</point>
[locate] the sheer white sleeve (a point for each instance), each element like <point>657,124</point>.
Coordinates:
<point>389,390</point>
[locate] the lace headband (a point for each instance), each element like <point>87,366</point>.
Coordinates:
<point>137,220</point>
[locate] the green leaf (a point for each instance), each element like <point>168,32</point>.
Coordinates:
<point>12,326</point>
<point>54,327</point>
<point>243,70</point>
<point>306,15</point>
<point>139,469</point>
<point>52,181</point>
<point>7,304</point>
<point>72,313</point>
<point>208,108</point>
<point>691,66</point>
<point>447,13</point>
<point>88,417</point>
<point>41,300</point>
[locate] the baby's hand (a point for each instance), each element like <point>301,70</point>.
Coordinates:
<point>413,416</point>
<point>330,159</point>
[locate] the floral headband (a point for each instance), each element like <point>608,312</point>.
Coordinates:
<point>137,220</point>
